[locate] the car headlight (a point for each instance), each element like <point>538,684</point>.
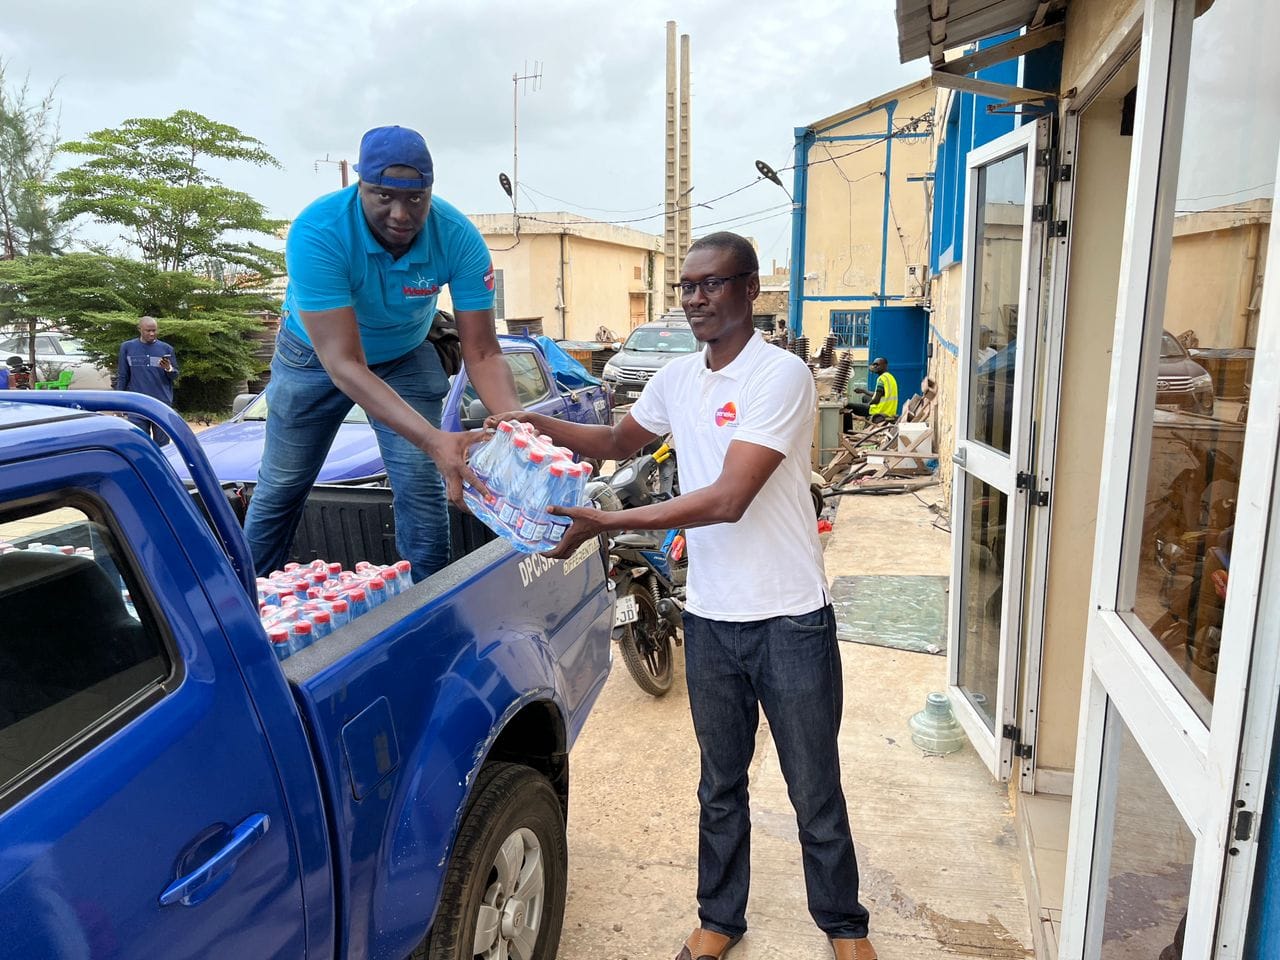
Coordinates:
<point>1202,381</point>
<point>610,371</point>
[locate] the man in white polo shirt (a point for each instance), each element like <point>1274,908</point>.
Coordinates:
<point>759,627</point>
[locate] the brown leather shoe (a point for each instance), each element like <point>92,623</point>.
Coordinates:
<point>706,945</point>
<point>847,949</point>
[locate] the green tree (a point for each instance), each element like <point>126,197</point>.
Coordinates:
<point>28,144</point>
<point>148,177</point>
<point>99,299</point>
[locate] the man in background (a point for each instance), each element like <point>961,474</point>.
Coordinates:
<point>148,365</point>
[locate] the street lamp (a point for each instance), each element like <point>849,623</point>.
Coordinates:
<point>769,173</point>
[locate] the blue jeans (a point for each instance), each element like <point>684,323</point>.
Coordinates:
<point>305,412</point>
<point>790,666</point>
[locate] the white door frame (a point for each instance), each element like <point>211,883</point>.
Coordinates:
<point>990,466</point>
<point>1203,766</point>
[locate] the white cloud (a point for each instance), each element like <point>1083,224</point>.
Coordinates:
<point>308,79</point>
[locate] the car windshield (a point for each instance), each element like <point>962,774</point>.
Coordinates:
<point>1170,348</point>
<point>661,341</point>
<point>257,410</point>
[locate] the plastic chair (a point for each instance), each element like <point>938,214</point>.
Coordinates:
<point>62,383</point>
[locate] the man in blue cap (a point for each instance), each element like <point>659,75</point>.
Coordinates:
<point>366,265</point>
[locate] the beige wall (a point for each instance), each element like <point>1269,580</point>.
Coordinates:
<point>1102,166</point>
<point>845,213</point>
<point>1213,272</point>
<point>602,266</point>
<point>1096,29</point>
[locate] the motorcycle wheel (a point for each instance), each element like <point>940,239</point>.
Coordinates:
<point>647,647</point>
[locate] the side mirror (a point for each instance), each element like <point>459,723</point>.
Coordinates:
<point>477,413</point>
<point>240,402</point>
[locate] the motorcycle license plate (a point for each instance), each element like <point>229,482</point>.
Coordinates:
<point>626,611</point>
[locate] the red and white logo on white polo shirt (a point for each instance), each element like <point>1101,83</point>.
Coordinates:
<point>727,416</point>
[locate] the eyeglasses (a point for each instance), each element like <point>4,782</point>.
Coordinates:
<point>710,286</point>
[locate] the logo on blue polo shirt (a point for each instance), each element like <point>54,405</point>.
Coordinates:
<point>421,287</point>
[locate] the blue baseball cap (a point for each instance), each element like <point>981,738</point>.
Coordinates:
<point>384,147</point>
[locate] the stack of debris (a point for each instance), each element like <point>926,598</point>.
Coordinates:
<point>884,454</point>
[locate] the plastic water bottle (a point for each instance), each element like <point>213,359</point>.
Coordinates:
<point>526,475</point>
<point>541,493</point>
<point>405,571</point>
<point>392,578</point>
<point>340,612</point>
<point>301,634</point>
<point>322,624</point>
<point>511,480</point>
<point>280,646</point>
<point>566,479</point>
<point>359,601</point>
<point>495,451</point>
<point>377,590</point>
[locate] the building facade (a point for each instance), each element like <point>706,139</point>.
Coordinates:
<point>861,227</point>
<point>582,279</point>
<point>1106,349</point>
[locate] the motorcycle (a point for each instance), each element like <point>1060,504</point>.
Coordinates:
<point>647,570</point>
<point>20,376</point>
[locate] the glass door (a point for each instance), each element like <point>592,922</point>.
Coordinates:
<point>1004,214</point>
<point>1180,668</point>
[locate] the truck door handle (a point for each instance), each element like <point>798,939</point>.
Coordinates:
<point>201,882</point>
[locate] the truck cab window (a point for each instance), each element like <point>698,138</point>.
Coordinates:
<point>77,649</point>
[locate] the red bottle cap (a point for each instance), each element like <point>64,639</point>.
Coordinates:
<point>321,616</point>
<point>278,635</point>
<point>358,594</point>
<point>340,606</point>
<point>302,626</point>
<point>377,583</point>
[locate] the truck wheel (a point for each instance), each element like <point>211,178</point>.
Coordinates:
<point>504,893</point>
<point>646,645</point>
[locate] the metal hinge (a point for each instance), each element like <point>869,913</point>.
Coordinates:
<point>1022,751</point>
<point>1063,173</point>
<point>1040,213</point>
<point>1244,826</point>
<point>1045,157</point>
<point>1027,482</point>
<point>1058,228</point>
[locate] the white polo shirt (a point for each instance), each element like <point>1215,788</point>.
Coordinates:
<point>769,563</point>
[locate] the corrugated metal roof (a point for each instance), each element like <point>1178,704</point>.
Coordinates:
<point>925,25</point>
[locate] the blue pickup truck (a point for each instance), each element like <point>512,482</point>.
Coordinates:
<point>168,788</point>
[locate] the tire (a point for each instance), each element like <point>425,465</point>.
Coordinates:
<point>504,893</point>
<point>818,501</point>
<point>647,647</point>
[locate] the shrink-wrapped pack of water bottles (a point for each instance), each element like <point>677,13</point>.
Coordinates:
<point>526,474</point>
<point>302,604</point>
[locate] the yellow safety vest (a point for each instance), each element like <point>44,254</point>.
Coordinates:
<point>888,405</point>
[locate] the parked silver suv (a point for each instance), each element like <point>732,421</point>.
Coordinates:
<point>650,347</point>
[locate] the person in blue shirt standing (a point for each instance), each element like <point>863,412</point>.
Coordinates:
<point>366,266</point>
<point>148,365</point>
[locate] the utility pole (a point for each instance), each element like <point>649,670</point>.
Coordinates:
<point>516,79</point>
<point>341,164</point>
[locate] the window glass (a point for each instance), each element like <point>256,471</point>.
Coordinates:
<point>851,327</point>
<point>1208,318</point>
<point>531,385</point>
<point>666,340</point>
<point>257,410</point>
<point>982,604</point>
<point>997,276</point>
<point>74,648</point>
<point>1148,877</point>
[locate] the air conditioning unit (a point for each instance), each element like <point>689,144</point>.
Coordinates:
<point>916,282</point>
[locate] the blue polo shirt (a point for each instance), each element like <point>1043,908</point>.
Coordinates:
<point>335,261</point>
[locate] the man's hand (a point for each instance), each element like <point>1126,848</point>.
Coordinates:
<point>587,523</point>
<point>863,391</point>
<point>165,365</point>
<point>449,451</point>
<point>491,422</point>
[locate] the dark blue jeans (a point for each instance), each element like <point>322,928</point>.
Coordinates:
<point>790,666</point>
<point>306,410</point>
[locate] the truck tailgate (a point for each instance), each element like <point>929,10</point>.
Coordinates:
<point>397,702</point>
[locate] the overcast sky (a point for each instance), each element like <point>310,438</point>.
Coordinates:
<point>308,85</point>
